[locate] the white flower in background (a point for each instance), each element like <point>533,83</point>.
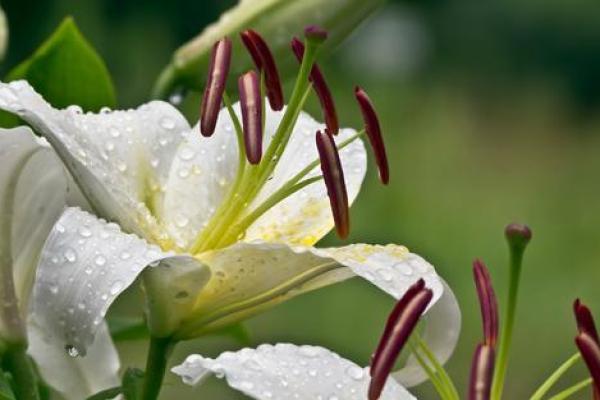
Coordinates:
<point>34,193</point>
<point>224,237</point>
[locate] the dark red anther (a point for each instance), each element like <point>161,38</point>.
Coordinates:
<point>590,351</point>
<point>321,89</point>
<point>585,320</point>
<point>482,371</point>
<point>263,58</point>
<point>215,86</point>
<point>374,133</point>
<point>250,101</point>
<point>401,323</point>
<point>488,303</point>
<point>333,175</point>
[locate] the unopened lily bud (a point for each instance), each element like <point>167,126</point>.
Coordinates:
<point>277,24</point>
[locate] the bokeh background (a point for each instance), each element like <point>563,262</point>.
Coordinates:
<point>491,115</point>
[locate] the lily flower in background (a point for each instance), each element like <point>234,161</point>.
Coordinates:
<point>287,371</point>
<point>34,193</point>
<point>217,228</point>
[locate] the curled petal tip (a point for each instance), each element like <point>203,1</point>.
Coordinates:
<point>482,369</point>
<point>333,175</point>
<point>215,86</point>
<point>373,130</point>
<point>487,302</point>
<point>321,89</point>
<point>401,323</point>
<point>315,33</point>
<point>250,101</point>
<point>265,62</point>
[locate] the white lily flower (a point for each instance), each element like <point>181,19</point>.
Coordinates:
<point>33,189</point>
<point>287,371</point>
<point>163,187</point>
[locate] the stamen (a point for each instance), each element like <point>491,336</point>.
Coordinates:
<point>215,86</point>
<point>263,58</point>
<point>590,351</point>
<point>482,368</point>
<point>333,175</point>
<point>321,89</point>
<point>488,303</point>
<point>374,133</point>
<point>249,88</point>
<point>401,322</point>
<point>585,320</point>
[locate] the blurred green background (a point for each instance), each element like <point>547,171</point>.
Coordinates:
<point>490,112</point>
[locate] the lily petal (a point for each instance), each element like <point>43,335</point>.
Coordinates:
<point>40,198</point>
<point>21,154</point>
<point>85,264</point>
<point>119,159</point>
<point>76,378</point>
<point>249,277</point>
<point>442,330</point>
<point>204,170</point>
<point>286,371</point>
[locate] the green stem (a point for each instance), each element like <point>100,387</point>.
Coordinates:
<point>572,390</point>
<point>19,365</point>
<point>552,379</point>
<point>156,365</point>
<point>516,258</point>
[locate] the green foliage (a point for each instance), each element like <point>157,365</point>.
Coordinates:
<point>106,394</point>
<point>6,392</point>
<point>66,70</point>
<point>133,381</point>
<point>127,328</point>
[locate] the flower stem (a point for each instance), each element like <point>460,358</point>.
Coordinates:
<point>572,390</point>
<point>19,365</point>
<point>156,365</point>
<point>552,379</point>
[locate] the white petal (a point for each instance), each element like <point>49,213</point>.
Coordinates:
<point>119,159</point>
<point>85,264</point>
<point>442,330</point>
<point>40,198</point>
<point>19,149</point>
<point>287,371</point>
<point>248,277</point>
<point>205,169</point>
<point>75,378</point>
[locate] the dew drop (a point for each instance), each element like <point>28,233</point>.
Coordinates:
<point>100,260</point>
<point>70,255</point>
<point>71,351</point>
<point>355,372</point>
<point>85,232</point>
<point>167,123</point>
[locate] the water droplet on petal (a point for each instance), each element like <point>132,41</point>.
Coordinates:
<point>71,350</point>
<point>70,255</point>
<point>167,123</point>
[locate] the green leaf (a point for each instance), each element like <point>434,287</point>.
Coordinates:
<point>6,392</point>
<point>66,70</point>
<point>127,328</point>
<point>107,394</point>
<point>133,381</point>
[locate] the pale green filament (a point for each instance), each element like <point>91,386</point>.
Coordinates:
<point>439,386</point>
<point>572,390</point>
<point>438,368</point>
<point>556,375</point>
<point>253,178</point>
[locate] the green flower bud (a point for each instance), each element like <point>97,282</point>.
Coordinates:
<point>278,21</point>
